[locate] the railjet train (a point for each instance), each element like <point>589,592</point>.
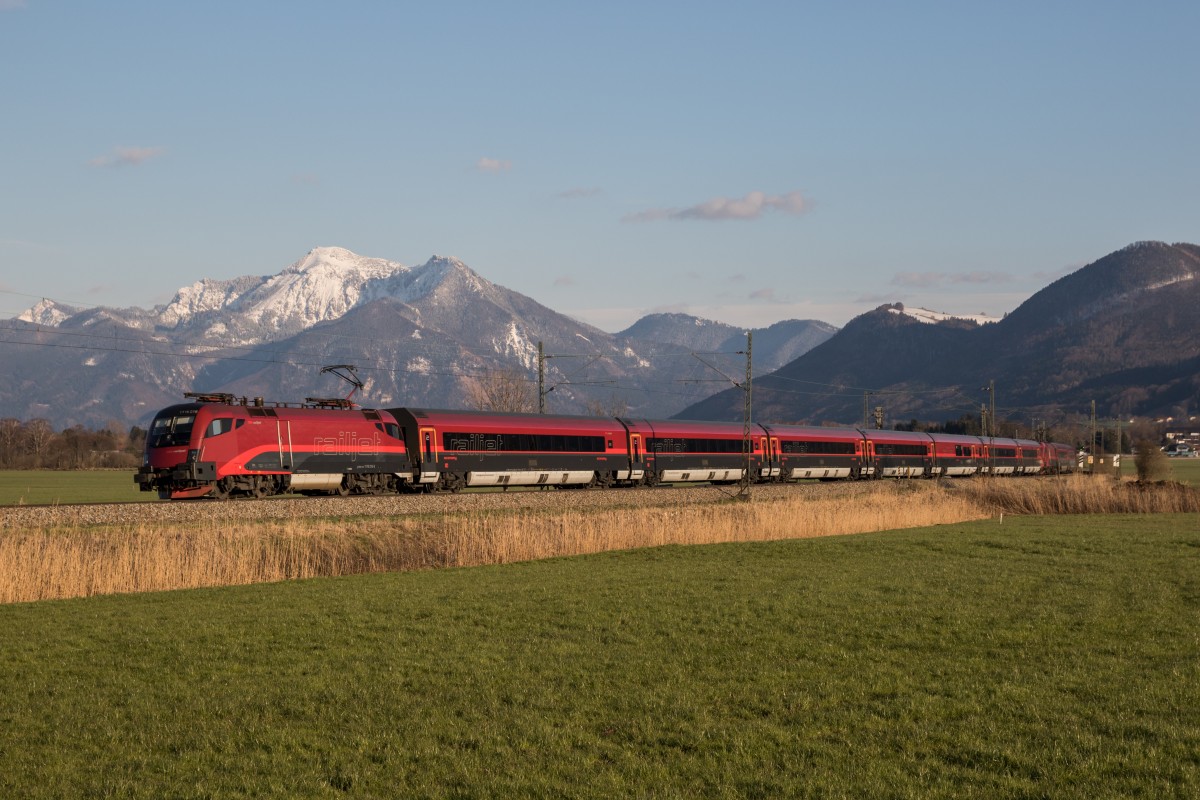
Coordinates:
<point>218,446</point>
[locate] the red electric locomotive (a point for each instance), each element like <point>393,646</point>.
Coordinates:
<point>219,445</point>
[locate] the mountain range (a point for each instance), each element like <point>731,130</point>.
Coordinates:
<point>418,335</point>
<point>1123,331</point>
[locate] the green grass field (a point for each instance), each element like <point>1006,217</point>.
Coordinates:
<point>41,487</point>
<point>1055,657</point>
<point>1186,470</point>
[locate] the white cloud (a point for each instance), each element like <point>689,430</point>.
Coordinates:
<point>127,156</point>
<point>579,193</point>
<point>752,206</point>
<point>493,165</point>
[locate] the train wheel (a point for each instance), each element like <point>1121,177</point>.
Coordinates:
<point>258,486</point>
<point>220,489</point>
<point>343,488</point>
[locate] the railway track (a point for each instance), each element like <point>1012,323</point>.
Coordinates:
<point>294,507</point>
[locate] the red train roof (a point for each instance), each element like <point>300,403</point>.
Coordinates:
<point>814,433</point>
<point>699,429</point>
<point>499,422</point>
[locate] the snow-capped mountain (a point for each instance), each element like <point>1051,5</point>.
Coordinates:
<point>48,312</point>
<point>322,286</point>
<point>931,317</point>
<point>419,335</point>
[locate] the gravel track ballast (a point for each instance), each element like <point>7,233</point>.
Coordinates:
<point>286,508</point>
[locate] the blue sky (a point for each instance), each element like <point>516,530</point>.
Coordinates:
<point>744,162</point>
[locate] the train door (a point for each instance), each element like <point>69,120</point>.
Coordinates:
<point>427,440</point>
<point>871,467</point>
<point>283,433</point>
<point>776,467</point>
<point>637,467</point>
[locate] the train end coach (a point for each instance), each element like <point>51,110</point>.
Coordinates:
<point>218,445</point>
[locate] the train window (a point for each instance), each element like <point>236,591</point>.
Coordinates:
<point>218,426</point>
<point>522,442</point>
<point>390,428</point>
<point>172,430</point>
<point>900,449</point>
<point>795,447</point>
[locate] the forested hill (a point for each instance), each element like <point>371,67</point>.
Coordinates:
<point>1123,331</point>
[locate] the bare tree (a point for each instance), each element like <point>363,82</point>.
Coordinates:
<point>505,389</point>
<point>614,406</point>
<point>10,438</point>
<point>38,435</point>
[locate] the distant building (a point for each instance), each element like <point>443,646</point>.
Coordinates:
<point>1182,437</point>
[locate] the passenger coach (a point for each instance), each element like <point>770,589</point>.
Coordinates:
<point>681,451</point>
<point>798,452</point>
<point>457,449</point>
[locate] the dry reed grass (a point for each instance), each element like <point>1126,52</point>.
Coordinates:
<point>1080,494</point>
<point>38,564</point>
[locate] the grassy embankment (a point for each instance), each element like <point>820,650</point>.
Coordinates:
<point>1041,656</point>
<point>71,561</point>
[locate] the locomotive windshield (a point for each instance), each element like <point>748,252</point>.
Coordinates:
<point>173,429</point>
